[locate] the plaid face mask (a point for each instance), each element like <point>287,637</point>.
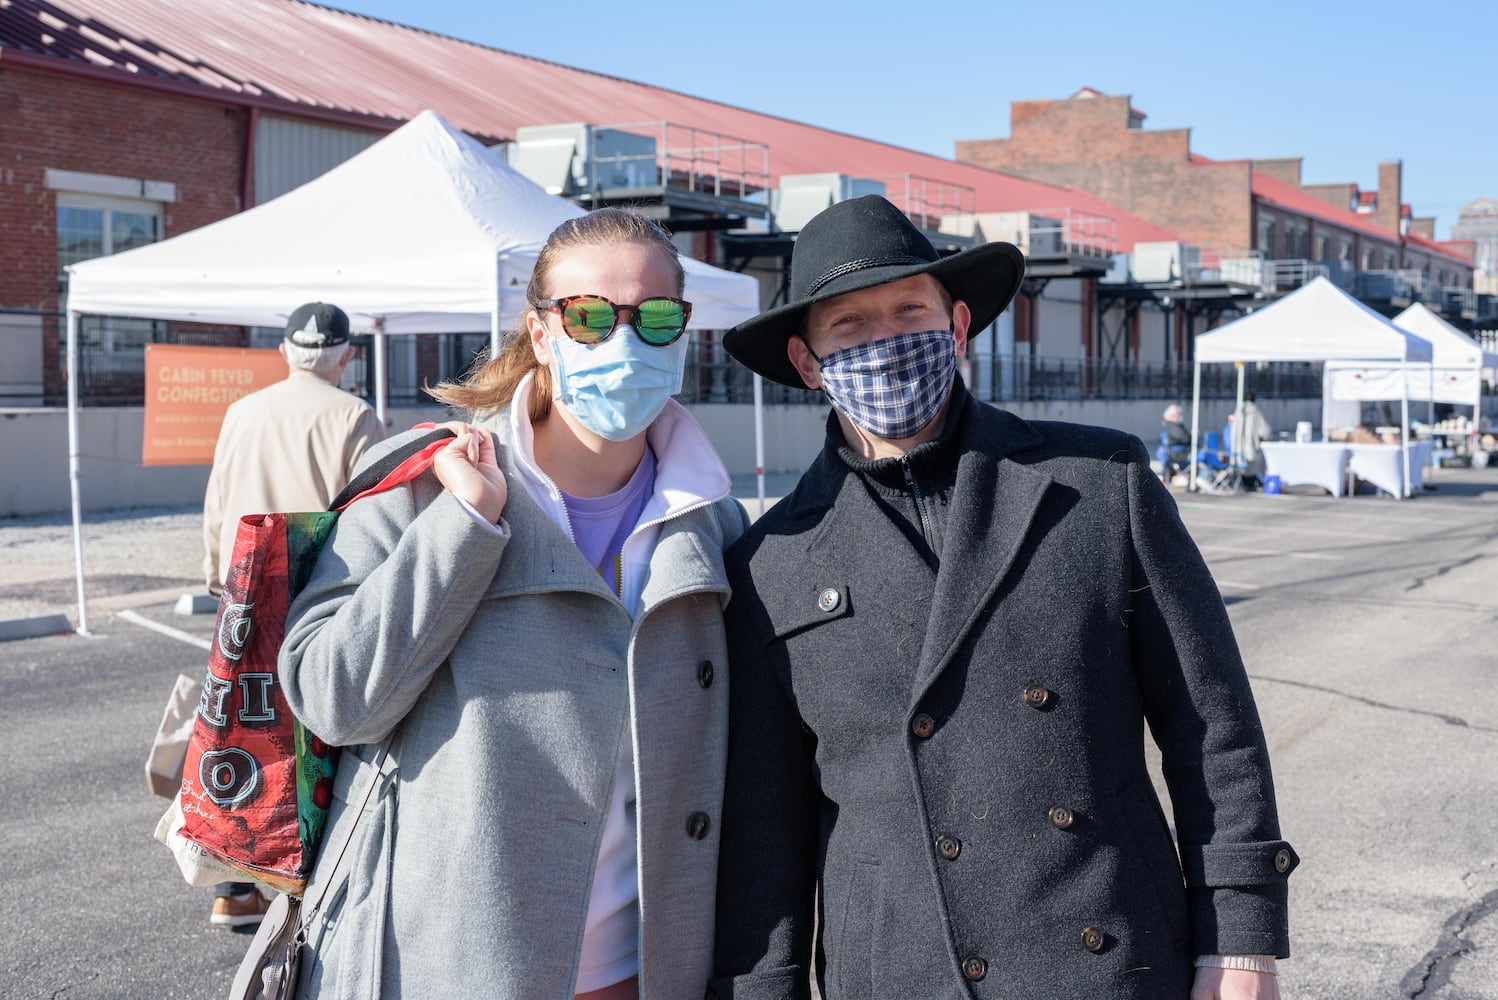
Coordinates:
<point>892,387</point>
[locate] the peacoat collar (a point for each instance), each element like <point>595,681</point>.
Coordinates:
<point>992,513</point>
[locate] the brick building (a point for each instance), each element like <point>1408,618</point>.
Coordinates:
<point>1367,241</point>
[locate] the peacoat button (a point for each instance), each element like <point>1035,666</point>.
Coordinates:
<point>697,825</point>
<point>1281,861</point>
<point>923,725</point>
<point>948,847</point>
<point>974,968</point>
<point>1037,696</point>
<point>1092,939</point>
<point>705,673</point>
<point>1062,817</point>
<point>829,599</point>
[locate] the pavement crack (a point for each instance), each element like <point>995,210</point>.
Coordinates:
<point>1433,971</point>
<point>1450,720</point>
<point>1442,570</point>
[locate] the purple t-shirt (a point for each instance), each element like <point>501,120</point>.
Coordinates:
<point>601,524</point>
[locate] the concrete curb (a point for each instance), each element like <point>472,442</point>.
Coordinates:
<point>33,626</point>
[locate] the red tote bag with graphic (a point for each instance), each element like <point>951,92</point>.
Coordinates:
<point>256,785</point>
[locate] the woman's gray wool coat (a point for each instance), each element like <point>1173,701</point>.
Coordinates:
<point>508,670</point>
<point>963,763</point>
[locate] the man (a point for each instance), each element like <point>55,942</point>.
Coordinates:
<point>946,644</point>
<point>288,447</point>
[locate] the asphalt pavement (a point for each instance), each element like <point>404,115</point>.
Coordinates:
<point>1367,625</point>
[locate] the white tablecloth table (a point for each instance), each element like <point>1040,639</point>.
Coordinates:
<point>1321,464</point>
<point>1383,465</point>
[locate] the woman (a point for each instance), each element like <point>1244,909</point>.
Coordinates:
<point>539,625</point>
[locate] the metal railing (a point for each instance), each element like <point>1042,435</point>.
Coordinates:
<point>1080,234</point>
<point>1387,285</point>
<point>932,204</point>
<point>117,378</point>
<point>688,159</point>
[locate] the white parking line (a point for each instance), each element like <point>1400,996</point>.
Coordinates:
<point>167,630</point>
<point>1315,556</point>
<point>1235,585</point>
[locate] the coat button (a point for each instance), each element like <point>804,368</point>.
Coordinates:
<point>1062,817</point>
<point>974,968</point>
<point>1282,861</point>
<point>829,599</point>
<point>1037,696</point>
<point>1092,939</point>
<point>697,825</point>
<point>705,673</point>
<point>923,725</point>
<point>948,847</point>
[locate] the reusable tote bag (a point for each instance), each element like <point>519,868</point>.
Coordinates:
<point>256,785</point>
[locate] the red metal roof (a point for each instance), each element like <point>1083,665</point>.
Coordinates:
<point>323,60</point>
<point>1420,242</point>
<point>1289,196</point>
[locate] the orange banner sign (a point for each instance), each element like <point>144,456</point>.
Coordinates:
<point>187,391</point>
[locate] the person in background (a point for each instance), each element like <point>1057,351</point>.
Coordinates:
<point>1249,428</point>
<point>947,643</point>
<point>540,627</point>
<point>1177,441</point>
<point>288,447</point>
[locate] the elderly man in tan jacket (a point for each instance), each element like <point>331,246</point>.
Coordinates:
<point>292,445</point>
<point>288,447</point>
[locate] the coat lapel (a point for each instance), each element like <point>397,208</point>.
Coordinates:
<point>994,503</point>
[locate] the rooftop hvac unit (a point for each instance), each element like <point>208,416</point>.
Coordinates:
<point>1157,263</point>
<point>1035,235</point>
<point>1242,271</point>
<point>575,159</point>
<point>801,196</point>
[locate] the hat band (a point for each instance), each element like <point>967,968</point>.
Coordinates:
<point>861,265</point>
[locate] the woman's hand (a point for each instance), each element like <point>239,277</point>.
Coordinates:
<point>469,469</point>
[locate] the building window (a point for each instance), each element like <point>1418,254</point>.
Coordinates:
<point>1345,252</point>
<point>90,226</point>
<point>1266,237</point>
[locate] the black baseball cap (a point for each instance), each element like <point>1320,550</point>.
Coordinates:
<point>317,324</point>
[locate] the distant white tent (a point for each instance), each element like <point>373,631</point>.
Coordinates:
<point>1453,374</point>
<point>1318,322</point>
<point>426,231</point>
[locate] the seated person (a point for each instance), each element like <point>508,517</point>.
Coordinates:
<point>1177,440</point>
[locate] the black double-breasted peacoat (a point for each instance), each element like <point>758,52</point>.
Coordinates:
<point>937,783</point>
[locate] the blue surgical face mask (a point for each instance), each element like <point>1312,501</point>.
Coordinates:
<point>892,387</point>
<point>617,388</point>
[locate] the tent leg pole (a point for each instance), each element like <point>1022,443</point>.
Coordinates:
<point>759,440</point>
<point>75,470</point>
<point>381,375</point>
<point>1196,400</point>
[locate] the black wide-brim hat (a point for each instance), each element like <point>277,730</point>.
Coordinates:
<point>857,244</point>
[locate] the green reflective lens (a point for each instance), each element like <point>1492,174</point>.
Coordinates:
<point>661,321</point>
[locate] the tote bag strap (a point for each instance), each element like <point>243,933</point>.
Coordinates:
<point>309,913</point>
<point>400,465</point>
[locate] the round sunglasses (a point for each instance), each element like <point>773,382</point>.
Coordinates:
<point>592,319</point>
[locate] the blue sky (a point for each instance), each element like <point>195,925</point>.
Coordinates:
<point>1343,85</point>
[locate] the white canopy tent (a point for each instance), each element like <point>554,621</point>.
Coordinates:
<point>1453,374</point>
<point>1317,322</point>
<point>425,231</point>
